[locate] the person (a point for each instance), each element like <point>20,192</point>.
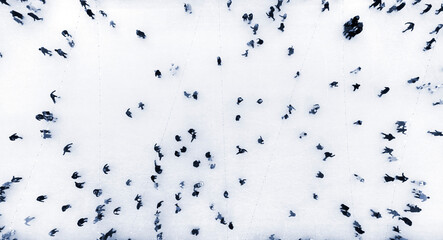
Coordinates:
<point>188,8</point>
<point>283,17</point>
<point>384,91</point>
<point>352,27</point>
<point>112,24</point>
<point>16,14</point>
<point>84,4</point>
<point>428,7</point>
<point>103,13</point>
<point>328,155</point>
<point>393,213</point>
<point>14,137</point>
<point>246,53</point>
<point>375,3</point>
<point>429,44</point>
<point>325,5</point>
<point>35,17</point>
<point>82,221</point>
<point>290,50</point>
<point>436,133</point>
<point>356,86</point>
<point>437,29</point>
<point>279,4</point>
<point>410,26</point>
<point>90,13</point>
<point>229,4</point>
<point>53,232</point>
<point>241,150</point>
<point>345,210</point>
<point>255,28</point>
<point>438,11</point>
<point>53,96</point>
<point>402,178</point>
<point>219,61</point>
<point>45,51</point>
<point>4,2</point>
<point>158,74</point>
<point>250,17</point>
<point>67,148</point>
<point>129,113</point>
<point>282,27</point>
<point>141,105</point>
<point>61,53</point>
<point>270,14</point>
<point>140,34</point>
<point>46,133</point>
<point>389,136</point>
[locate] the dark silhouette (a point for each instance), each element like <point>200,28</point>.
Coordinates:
<point>352,27</point>
<point>90,13</point>
<point>384,91</point>
<point>128,113</point>
<point>282,27</point>
<point>270,14</point>
<point>82,221</point>
<point>410,26</point>
<point>388,178</point>
<point>428,7</point>
<point>255,28</point>
<point>429,44</point>
<point>53,96</point>
<point>61,53</point>
<point>437,29</point>
<point>14,137</point>
<point>344,210</point>
<point>45,51</point>
<point>16,14</point>
<point>436,133</point>
<point>4,2</point>
<point>219,61</point>
<point>35,17</point>
<point>389,136</point>
<point>328,155</point>
<point>67,148</point>
<point>140,34</point>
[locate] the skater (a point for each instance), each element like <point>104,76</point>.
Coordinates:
<point>112,24</point>
<point>356,86</point>
<point>393,213</point>
<point>388,151</point>
<point>290,50</point>
<point>260,41</point>
<point>396,8</point>
<point>270,14</point>
<point>61,53</point>
<point>438,11</point>
<point>375,214</point>
<point>45,51</point>
<point>255,28</point>
<point>53,96</point>
<point>344,210</point>
<point>389,136</point>
<point>140,34</point>
<point>82,221</point>
<point>35,17</point>
<point>375,3</point>
<point>284,16</point>
<point>246,53</point>
<point>282,27</point>
<point>279,4</point>
<point>250,17</point>
<point>355,71</point>
<point>241,150</point>
<point>229,4</point>
<point>428,7</point>
<point>128,113</point>
<point>384,91</point>
<point>66,34</point>
<point>219,61</point>
<point>90,13</point>
<point>67,148</point>
<point>410,27</point>
<point>141,105</point>
<point>436,133</point>
<point>388,178</point>
<point>412,208</point>
<point>45,133</point>
<point>158,74</point>
<point>16,15</point>
<point>325,5</point>
<point>14,137</point>
<point>46,115</point>
<point>429,44</point>
<point>188,8</point>
<point>437,29</point>
<point>84,4</point>
<point>4,2</point>
<point>328,155</point>
<point>402,178</point>
<point>352,27</point>
<point>103,13</point>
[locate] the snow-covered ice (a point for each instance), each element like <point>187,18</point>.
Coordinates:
<point>111,70</point>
